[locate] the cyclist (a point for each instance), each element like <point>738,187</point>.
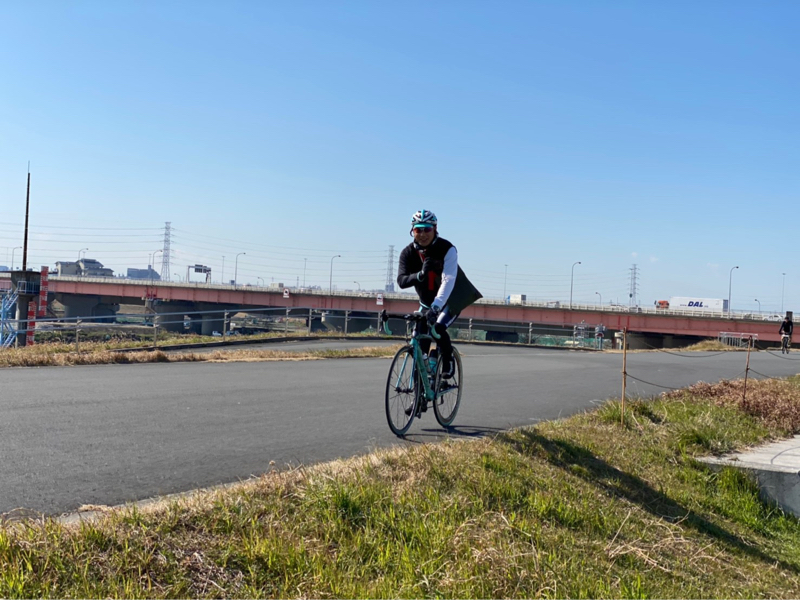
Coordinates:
<point>430,265</point>
<point>786,329</point>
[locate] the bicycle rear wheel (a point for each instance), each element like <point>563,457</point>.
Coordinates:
<point>401,391</point>
<point>448,393</point>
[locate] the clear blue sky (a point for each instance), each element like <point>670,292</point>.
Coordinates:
<point>541,133</point>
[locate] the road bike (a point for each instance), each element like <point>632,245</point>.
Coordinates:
<point>415,380</point>
<point>786,343</point>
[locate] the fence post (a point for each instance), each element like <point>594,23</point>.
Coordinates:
<point>624,370</point>
<point>225,324</point>
<point>346,319</point>
<point>77,336</point>
<point>286,324</point>
<point>747,369</point>
<point>310,319</point>
<point>470,330</point>
<point>155,335</point>
<point>530,333</point>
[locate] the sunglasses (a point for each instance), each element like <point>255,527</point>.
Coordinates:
<point>423,229</point>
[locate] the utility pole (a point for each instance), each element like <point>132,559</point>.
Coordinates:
<point>27,212</point>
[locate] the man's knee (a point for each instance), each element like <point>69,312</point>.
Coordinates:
<point>441,329</point>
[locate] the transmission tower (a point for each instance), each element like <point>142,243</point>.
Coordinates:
<point>390,271</point>
<point>634,301</point>
<point>165,253</point>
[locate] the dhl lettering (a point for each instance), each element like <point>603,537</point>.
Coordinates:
<point>697,304</point>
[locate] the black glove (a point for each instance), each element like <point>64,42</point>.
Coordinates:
<point>433,314</point>
<point>431,265</point>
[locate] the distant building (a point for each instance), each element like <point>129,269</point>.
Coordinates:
<point>67,268</point>
<point>147,273</point>
<point>86,267</point>
<point>4,268</point>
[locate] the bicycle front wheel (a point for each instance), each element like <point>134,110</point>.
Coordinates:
<point>401,391</point>
<point>448,393</point>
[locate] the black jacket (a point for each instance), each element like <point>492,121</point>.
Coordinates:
<point>411,258</point>
<point>786,327</point>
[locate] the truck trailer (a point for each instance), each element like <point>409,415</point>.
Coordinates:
<point>715,305</point>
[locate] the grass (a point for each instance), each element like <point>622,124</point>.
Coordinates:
<point>44,355</point>
<point>712,345</point>
<point>584,507</point>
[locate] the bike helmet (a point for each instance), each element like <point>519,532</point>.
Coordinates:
<point>423,218</point>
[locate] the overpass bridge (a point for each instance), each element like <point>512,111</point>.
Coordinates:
<point>98,297</point>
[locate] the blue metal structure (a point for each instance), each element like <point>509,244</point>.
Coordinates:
<point>8,308</point>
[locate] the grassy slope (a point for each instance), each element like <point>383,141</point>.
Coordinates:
<point>585,507</point>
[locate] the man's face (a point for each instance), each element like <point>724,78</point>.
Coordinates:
<point>423,235</point>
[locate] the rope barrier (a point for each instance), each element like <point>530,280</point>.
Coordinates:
<point>776,355</point>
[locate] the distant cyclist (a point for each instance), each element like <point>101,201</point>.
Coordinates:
<point>430,265</point>
<point>786,329</point>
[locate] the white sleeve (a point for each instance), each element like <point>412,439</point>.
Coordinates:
<point>449,273</point>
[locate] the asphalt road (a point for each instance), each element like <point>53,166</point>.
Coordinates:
<point>118,433</point>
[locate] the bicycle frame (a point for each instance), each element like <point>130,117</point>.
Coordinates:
<point>420,363</point>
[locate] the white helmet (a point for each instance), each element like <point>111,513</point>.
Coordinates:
<point>423,218</point>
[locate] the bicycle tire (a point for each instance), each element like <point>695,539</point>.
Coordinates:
<point>402,391</point>
<point>446,404</point>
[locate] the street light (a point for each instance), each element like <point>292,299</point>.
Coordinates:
<point>359,286</point>
<point>730,280</point>
<point>783,287</point>
<point>330,283</point>
<point>262,281</point>
<point>12,255</point>
<point>180,279</point>
<point>571,279</point>
<point>759,306</point>
<point>601,298</point>
<point>236,267</point>
<point>81,250</point>
<point>505,277</point>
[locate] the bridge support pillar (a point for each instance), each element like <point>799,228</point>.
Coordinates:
<point>88,306</point>
<point>170,317</point>
<point>212,323</point>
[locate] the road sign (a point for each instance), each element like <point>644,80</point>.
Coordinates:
<point>380,300</point>
<point>285,292</point>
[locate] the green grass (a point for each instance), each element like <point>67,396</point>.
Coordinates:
<point>581,508</point>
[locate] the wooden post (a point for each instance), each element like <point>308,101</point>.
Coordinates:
<point>747,368</point>
<point>624,370</point>
<point>155,334</point>
<point>77,336</point>
<point>346,320</point>
<point>310,319</point>
<point>286,324</point>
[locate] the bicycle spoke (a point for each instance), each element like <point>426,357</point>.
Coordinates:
<point>401,392</point>
<point>448,395</point>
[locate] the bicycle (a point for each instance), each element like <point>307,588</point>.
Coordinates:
<point>415,381</point>
<point>786,342</point>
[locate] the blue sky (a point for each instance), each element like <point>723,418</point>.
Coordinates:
<point>541,133</point>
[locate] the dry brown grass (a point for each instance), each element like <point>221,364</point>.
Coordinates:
<point>712,345</point>
<point>773,401</point>
<point>23,357</point>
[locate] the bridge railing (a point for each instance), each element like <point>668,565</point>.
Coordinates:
<point>541,304</point>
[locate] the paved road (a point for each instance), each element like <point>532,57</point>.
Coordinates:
<point>112,434</point>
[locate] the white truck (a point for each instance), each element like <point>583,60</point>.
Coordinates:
<point>692,303</point>
<point>517,299</point>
